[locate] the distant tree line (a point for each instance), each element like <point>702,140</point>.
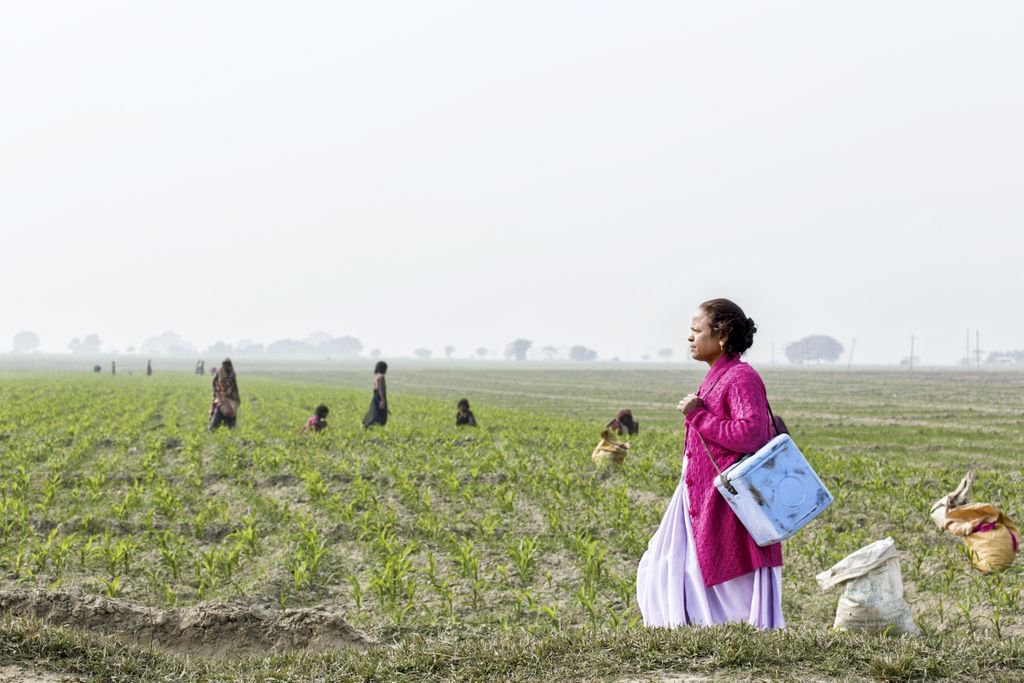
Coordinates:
<point>317,345</point>
<point>1005,358</point>
<point>816,348</point>
<point>172,344</point>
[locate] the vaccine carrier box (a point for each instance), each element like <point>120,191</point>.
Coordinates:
<point>774,491</point>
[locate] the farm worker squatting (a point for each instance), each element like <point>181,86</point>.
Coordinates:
<point>464,417</point>
<point>318,421</point>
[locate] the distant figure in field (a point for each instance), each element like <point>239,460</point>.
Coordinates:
<point>97,368</point>
<point>464,418</point>
<point>624,424</point>
<point>378,412</point>
<point>113,367</point>
<point>226,402</point>
<point>318,422</point>
<point>149,368</point>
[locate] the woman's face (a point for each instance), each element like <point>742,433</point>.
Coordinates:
<point>705,345</point>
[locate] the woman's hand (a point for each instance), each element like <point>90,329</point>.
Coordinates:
<point>383,404</point>
<point>690,404</point>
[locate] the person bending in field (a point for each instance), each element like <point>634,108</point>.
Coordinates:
<point>226,402</point>
<point>624,424</point>
<point>464,418</point>
<point>318,422</point>
<point>378,412</point>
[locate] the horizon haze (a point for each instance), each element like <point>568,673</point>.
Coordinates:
<point>465,174</point>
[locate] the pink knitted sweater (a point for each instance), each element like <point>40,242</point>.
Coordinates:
<point>734,422</point>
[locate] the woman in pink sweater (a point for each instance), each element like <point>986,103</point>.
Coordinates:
<point>702,567</point>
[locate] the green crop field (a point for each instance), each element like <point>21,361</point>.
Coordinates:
<point>498,552</point>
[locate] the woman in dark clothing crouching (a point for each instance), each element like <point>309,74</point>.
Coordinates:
<point>464,418</point>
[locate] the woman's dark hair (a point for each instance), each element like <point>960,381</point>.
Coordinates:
<point>227,365</point>
<point>381,367</point>
<point>322,411</point>
<point>625,418</point>
<point>729,320</point>
<point>463,403</point>
<point>624,422</point>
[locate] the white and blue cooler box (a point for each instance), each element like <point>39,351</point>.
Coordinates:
<point>777,491</point>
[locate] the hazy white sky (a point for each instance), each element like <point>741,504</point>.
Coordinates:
<point>432,173</point>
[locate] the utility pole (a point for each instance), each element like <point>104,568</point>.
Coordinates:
<point>911,353</point>
<point>849,361</point>
<point>977,346</point>
<point>967,352</point>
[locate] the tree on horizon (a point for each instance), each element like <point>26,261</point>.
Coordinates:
<point>91,344</point>
<point>516,350</point>
<point>582,353</point>
<point>25,342</point>
<point>345,347</point>
<point>816,347</point>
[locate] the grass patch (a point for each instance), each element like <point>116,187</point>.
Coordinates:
<point>491,553</point>
<point>575,654</point>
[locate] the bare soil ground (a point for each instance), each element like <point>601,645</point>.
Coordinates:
<point>215,630</point>
<point>18,674</point>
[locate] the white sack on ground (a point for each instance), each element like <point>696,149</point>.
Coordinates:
<point>872,598</point>
<point>961,495</point>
